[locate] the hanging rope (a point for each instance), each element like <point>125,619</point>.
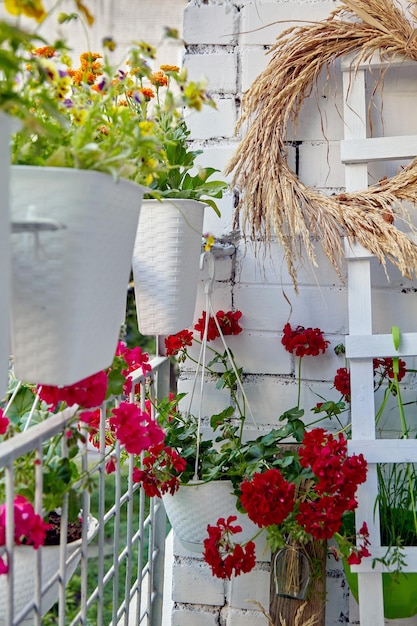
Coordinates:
<point>207,257</point>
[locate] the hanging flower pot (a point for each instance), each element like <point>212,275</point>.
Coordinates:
<point>166,264</point>
<point>194,506</point>
<point>7,126</point>
<point>25,575</point>
<point>74,233</point>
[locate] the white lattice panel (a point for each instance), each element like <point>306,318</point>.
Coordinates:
<point>362,346</point>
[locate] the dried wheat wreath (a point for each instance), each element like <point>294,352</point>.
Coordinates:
<point>273,197</point>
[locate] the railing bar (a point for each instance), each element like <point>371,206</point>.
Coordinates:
<point>128,548</point>
<point>101,513</point>
<point>33,438</point>
<point>116,541</point>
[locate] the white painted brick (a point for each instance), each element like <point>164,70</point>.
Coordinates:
<point>393,309</point>
<point>270,397</point>
<point>196,617</point>
<point>266,266</point>
<point>207,66</point>
<point>211,24</point>
<point>215,400</point>
<point>221,299</point>
<point>262,22</point>
<point>212,123</point>
<point>260,353</point>
<point>253,62</point>
<point>235,617</point>
<point>251,586</point>
<point>217,155</point>
<point>320,164</point>
<point>316,307</point>
<point>193,583</point>
<point>223,270</point>
<point>223,225</point>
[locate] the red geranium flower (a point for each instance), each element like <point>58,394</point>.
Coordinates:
<point>228,322</point>
<point>134,428</point>
<point>304,341</point>
<point>223,555</point>
<point>268,498</point>
<point>342,382</point>
<point>180,341</point>
<point>87,393</point>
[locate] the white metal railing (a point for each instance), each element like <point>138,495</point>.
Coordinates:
<point>128,588</point>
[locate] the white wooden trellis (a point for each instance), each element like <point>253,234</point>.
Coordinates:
<point>361,345</point>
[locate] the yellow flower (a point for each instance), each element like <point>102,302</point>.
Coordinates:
<point>209,242</point>
<point>30,8</point>
<point>78,115</point>
<point>147,127</point>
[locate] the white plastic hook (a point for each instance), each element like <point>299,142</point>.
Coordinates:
<point>207,256</point>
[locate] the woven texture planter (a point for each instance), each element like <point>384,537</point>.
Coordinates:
<point>7,126</point>
<point>25,576</point>
<point>192,507</point>
<point>166,264</point>
<point>70,270</point>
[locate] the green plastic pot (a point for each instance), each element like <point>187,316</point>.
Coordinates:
<point>400,592</point>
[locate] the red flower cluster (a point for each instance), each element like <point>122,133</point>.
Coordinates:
<point>175,343</point>
<point>87,393</point>
<point>361,551</point>
<point>92,419</point>
<point>342,382</point>
<point>268,498</point>
<point>134,358</point>
<point>4,423</point>
<point>158,475</point>
<point>384,368</point>
<point>338,478</point>
<point>29,528</point>
<point>134,428</point>
<point>223,555</point>
<point>304,341</point>
<point>228,322</point>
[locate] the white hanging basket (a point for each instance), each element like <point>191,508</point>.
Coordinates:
<point>74,232</point>
<point>166,264</point>
<point>25,575</point>
<point>193,507</point>
<point>7,126</point>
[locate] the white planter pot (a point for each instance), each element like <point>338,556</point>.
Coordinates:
<point>71,271</point>
<point>193,507</point>
<point>25,576</point>
<point>166,264</point>
<point>7,126</point>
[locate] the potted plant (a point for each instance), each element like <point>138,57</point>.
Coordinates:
<point>64,220</point>
<point>296,495</point>
<point>65,481</point>
<point>169,236</point>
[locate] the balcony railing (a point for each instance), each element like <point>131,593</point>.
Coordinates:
<point>119,578</point>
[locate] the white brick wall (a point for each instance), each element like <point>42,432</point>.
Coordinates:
<point>228,43</point>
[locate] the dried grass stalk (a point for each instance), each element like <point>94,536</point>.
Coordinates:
<point>273,199</point>
<point>311,621</point>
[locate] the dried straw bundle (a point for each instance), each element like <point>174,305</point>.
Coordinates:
<point>273,197</point>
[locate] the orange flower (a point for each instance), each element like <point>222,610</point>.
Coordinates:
<point>147,92</point>
<point>159,79</point>
<point>46,51</point>
<point>170,68</point>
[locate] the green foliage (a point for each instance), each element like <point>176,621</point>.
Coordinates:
<point>61,475</point>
